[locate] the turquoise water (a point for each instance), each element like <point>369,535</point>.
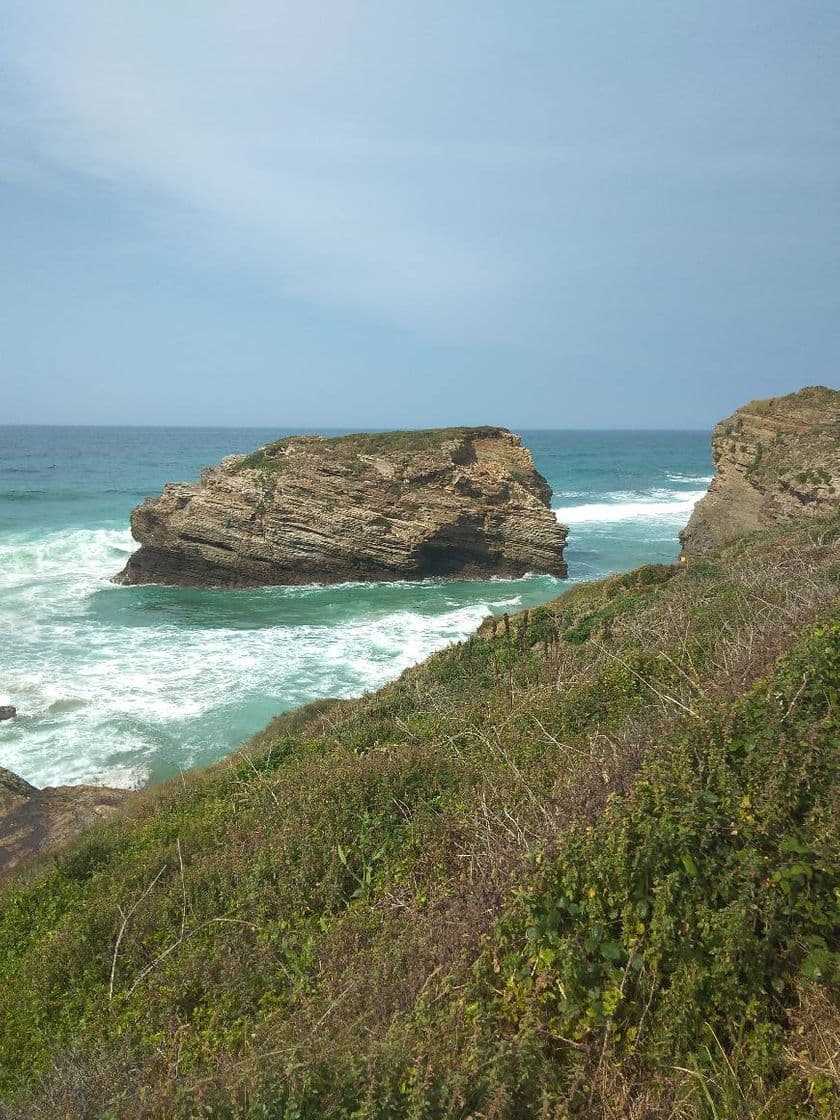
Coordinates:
<point>125,685</point>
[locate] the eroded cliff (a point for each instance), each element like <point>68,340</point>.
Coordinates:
<point>776,460</point>
<point>394,505</point>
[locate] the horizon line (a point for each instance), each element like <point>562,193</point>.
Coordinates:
<point>316,428</point>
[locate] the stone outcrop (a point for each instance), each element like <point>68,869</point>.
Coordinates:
<point>7,711</point>
<point>33,820</point>
<point>396,505</point>
<point>775,460</point>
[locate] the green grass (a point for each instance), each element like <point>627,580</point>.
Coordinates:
<point>407,442</point>
<point>585,867</point>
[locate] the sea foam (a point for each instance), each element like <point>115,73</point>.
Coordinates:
<point>670,505</point>
<point>117,685</point>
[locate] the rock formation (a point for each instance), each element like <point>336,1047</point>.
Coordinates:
<point>396,505</point>
<point>7,711</point>
<point>38,820</point>
<point>775,460</point>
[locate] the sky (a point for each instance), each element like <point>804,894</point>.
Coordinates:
<point>376,213</point>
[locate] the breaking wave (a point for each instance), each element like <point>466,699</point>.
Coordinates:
<point>665,505</point>
<point>123,685</point>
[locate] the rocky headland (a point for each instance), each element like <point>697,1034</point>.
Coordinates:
<point>34,820</point>
<point>776,460</point>
<point>396,505</point>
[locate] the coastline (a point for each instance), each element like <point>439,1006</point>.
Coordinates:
<point>157,679</point>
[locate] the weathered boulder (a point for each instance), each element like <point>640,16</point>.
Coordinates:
<point>33,820</point>
<point>395,505</point>
<point>7,711</point>
<point>775,460</point>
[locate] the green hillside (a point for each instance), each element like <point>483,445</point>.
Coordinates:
<point>584,864</point>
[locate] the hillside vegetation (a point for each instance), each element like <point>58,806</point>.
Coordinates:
<point>584,864</point>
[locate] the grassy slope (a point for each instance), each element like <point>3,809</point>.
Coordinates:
<point>582,867</point>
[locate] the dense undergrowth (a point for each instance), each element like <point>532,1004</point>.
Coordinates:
<point>584,864</point>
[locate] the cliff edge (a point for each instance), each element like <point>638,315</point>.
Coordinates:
<point>394,505</point>
<point>776,460</point>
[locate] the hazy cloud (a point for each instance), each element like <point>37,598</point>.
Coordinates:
<point>224,113</point>
<point>554,196</point>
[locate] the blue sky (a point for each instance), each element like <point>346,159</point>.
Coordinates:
<point>385,212</point>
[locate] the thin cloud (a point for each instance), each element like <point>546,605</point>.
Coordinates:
<point>243,159</point>
<point>455,168</point>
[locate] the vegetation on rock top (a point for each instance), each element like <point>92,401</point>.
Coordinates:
<point>410,441</point>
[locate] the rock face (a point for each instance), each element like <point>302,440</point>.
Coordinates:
<point>395,505</point>
<point>775,460</point>
<point>38,820</point>
<point>7,711</point>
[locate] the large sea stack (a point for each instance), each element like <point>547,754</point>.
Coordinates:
<point>395,505</point>
<point>775,460</point>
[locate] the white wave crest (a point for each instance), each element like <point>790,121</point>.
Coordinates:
<point>701,479</point>
<point>112,704</point>
<point>70,554</point>
<point>657,505</point>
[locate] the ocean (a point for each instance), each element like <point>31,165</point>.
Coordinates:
<point>130,685</point>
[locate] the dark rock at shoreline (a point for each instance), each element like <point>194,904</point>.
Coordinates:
<point>33,821</point>
<point>7,711</point>
<point>776,460</point>
<point>460,502</point>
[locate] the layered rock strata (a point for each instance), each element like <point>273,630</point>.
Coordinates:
<point>775,460</point>
<point>396,505</point>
